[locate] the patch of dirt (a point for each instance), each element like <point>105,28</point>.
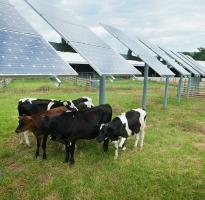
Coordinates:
<point>188,127</point>
<point>52,196</point>
<point>203,129</point>
<point>14,166</point>
<point>200,146</point>
<point>45,179</point>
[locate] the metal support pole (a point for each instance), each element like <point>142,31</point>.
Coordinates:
<point>198,84</point>
<point>166,93</point>
<point>145,86</point>
<point>102,90</point>
<point>193,85</point>
<point>179,89</point>
<point>188,86</point>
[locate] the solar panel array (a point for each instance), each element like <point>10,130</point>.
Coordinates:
<point>98,54</point>
<point>140,51</point>
<point>193,62</point>
<point>184,64</point>
<point>187,62</point>
<point>164,56</point>
<point>22,51</point>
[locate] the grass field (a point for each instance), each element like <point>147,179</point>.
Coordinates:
<point>171,166</point>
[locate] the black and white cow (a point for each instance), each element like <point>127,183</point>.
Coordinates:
<point>72,126</point>
<point>32,106</point>
<point>120,128</point>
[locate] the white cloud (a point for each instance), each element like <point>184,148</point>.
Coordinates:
<point>180,25</point>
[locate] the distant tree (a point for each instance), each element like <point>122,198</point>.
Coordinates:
<point>200,55</point>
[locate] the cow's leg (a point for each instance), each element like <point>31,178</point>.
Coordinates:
<point>105,144</point>
<point>122,143</point>
<point>136,139</point>
<point>21,138</point>
<point>44,146</point>
<point>141,136</point>
<point>67,153</point>
<point>26,138</point>
<point>38,146</point>
<point>72,150</point>
<point>116,149</point>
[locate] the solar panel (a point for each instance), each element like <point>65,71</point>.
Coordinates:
<point>76,33</point>
<point>191,60</point>
<point>164,56</point>
<point>98,54</point>
<point>189,63</point>
<point>4,2</point>
<point>108,61</point>
<point>12,20</point>
<point>140,51</point>
<point>25,55</point>
<point>23,52</point>
<point>185,65</point>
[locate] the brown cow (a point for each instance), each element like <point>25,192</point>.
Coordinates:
<point>31,123</point>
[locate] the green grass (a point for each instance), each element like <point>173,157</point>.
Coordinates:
<point>171,166</point>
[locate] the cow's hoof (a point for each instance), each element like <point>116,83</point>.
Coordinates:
<point>105,149</point>
<point>36,155</point>
<point>115,158</point>
<point>71,163</point>
<point>124,148</point>
<point>28,145</point>
<point>44,157</point>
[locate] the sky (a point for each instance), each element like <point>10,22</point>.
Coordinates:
<point>175,24</point>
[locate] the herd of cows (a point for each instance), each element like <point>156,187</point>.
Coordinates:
<point>69,121</point>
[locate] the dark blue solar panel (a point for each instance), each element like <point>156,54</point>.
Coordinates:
<point>10,19</point>
<point>21,54</point>
<point>23,51</point>
<point>4,2</point>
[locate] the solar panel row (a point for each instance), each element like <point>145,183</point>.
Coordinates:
<point>187,62</point>
<point>22,51</point>
<point>98,54</point>
<point>140,51</point>
<point>164,56</point>
<point>186,66</point>
<point>193,62</point>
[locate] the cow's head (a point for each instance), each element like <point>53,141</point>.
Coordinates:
<point>106,131</point>
<point>111,132</point>
<point>25,123</point>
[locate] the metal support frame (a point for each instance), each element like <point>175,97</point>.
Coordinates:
<point>144,96</point>
<point>197,85</point>
<point>102,90</point>
<point>194,85</point>
<point>179,89</point>
<point>165,103</point>
<point>188,86</point>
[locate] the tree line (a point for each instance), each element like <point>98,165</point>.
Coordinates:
<point>199,55</point>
